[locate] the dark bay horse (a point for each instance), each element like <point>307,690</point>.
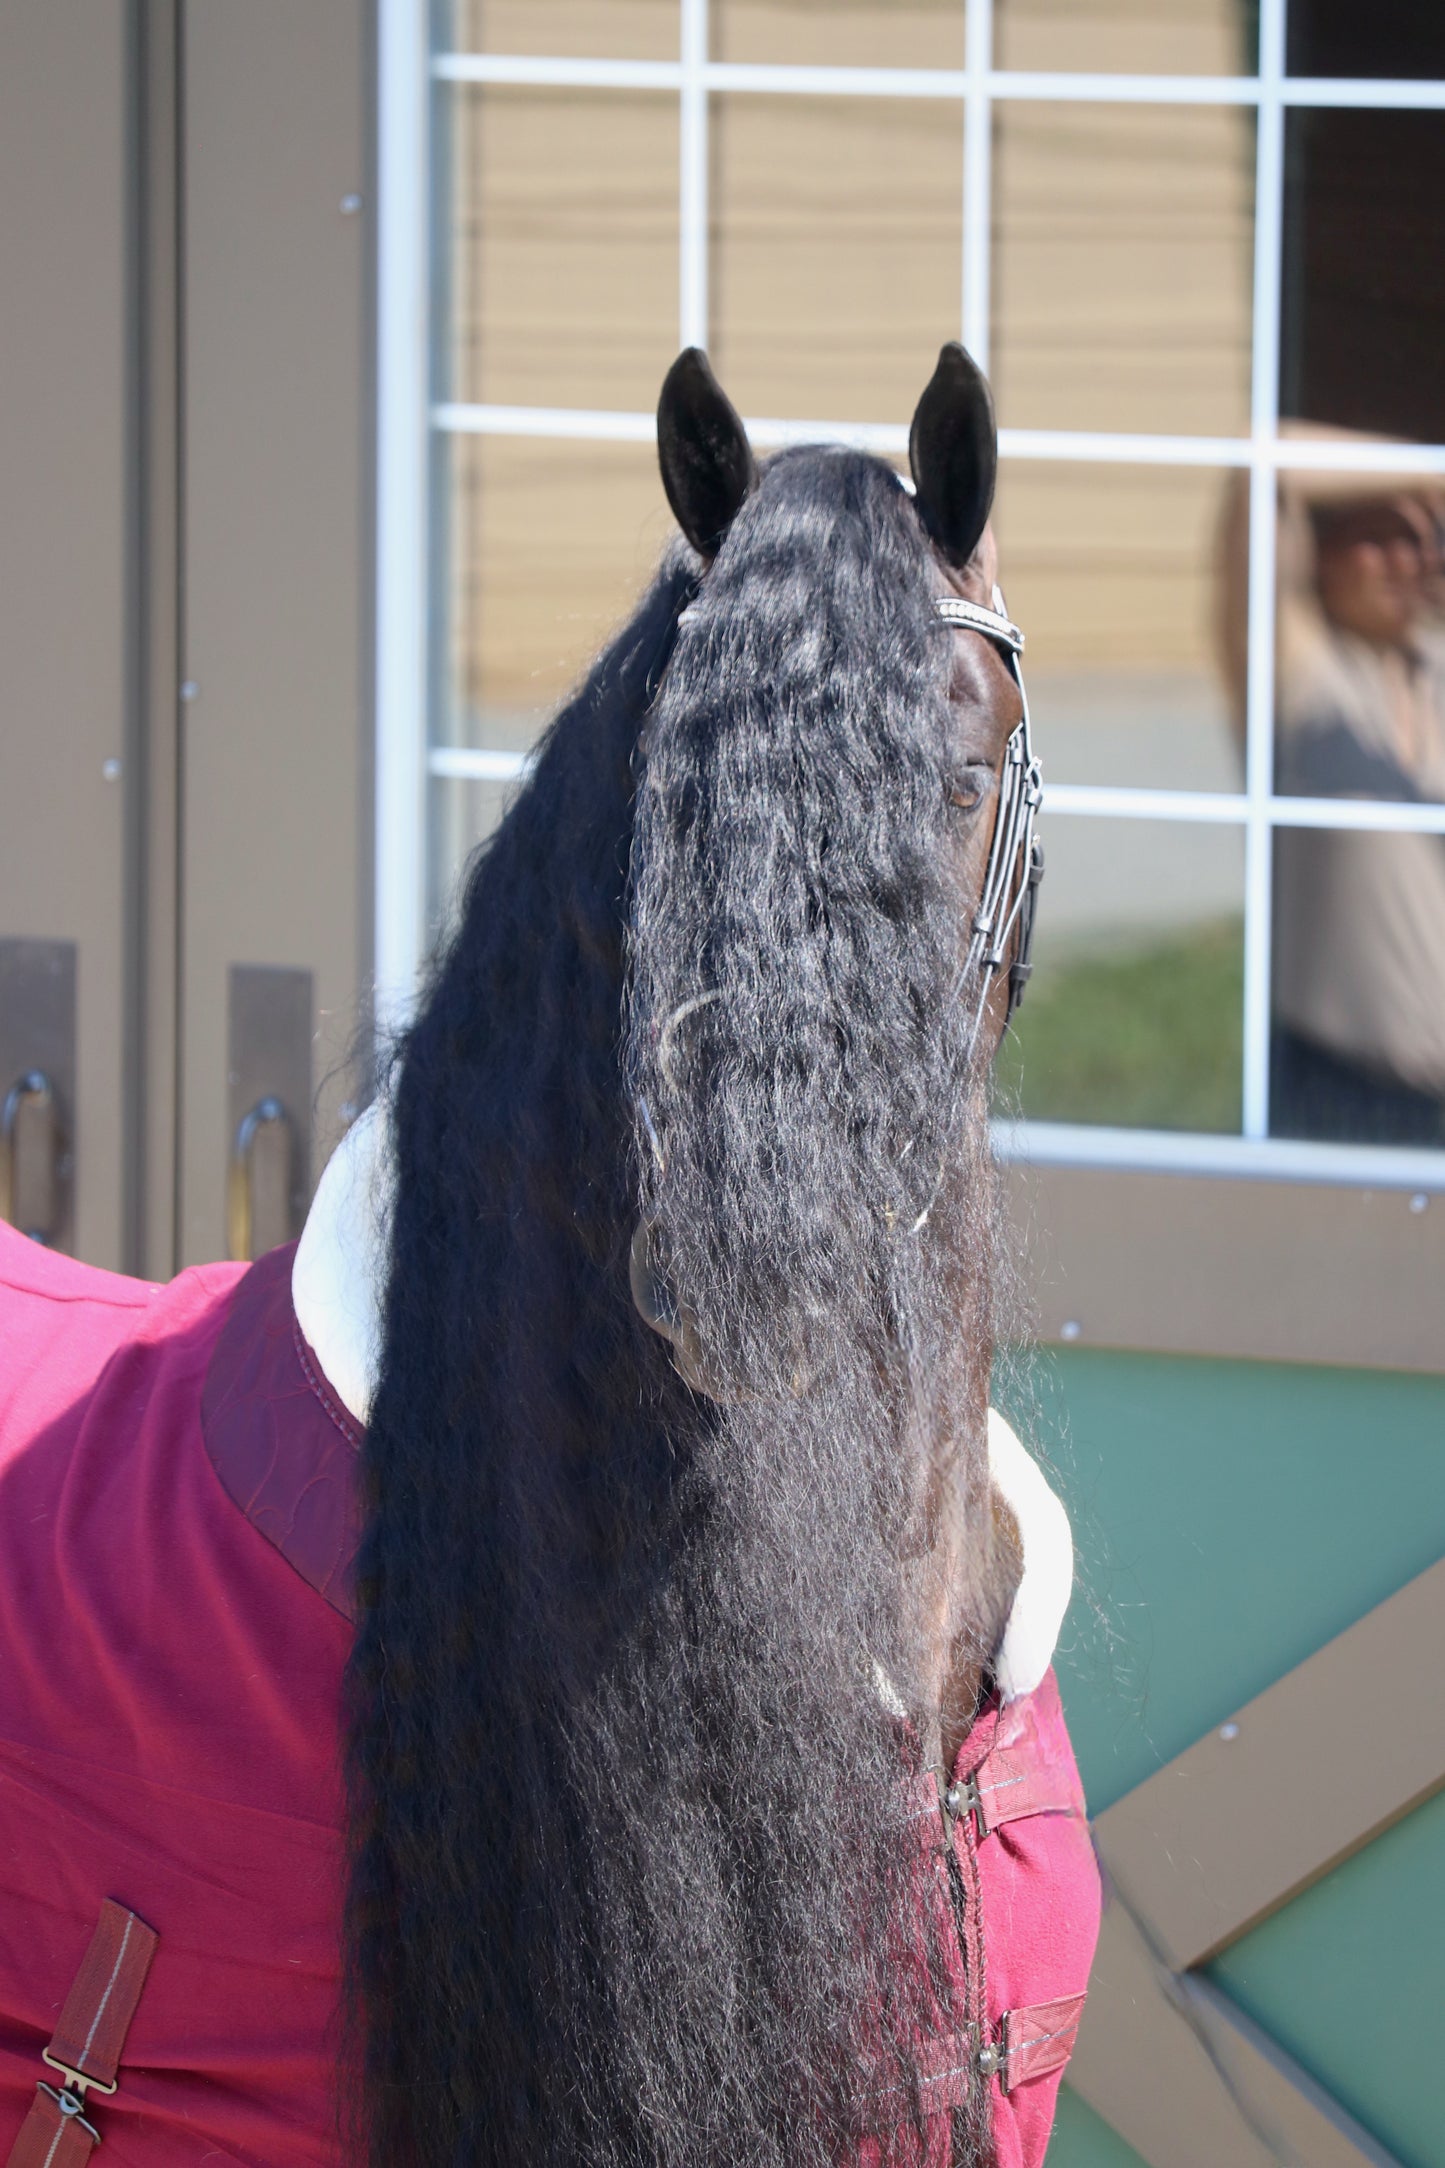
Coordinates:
<point>621,1575</point>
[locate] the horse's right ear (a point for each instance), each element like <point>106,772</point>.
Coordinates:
<point>707,463</point>
<point>953,451</point>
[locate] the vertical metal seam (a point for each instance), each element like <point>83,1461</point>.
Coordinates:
<point>1263,496</point>
<point>363,1058</point>
<point>155,575</point>
<point>977,178</point>
<point>692,207</point>
<point>181,505</point>
<point>136,970</point>
<point>403,239</point>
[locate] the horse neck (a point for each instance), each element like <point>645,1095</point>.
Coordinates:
<point>965,1576</point>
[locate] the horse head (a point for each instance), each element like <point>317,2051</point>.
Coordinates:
<point>835,828</point>
<point>678,1448</point>
<point>709,471</point>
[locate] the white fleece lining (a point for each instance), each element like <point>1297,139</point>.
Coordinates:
<point>338,1281</point>
<point>1042,1597</point>
<point>338,1275</point>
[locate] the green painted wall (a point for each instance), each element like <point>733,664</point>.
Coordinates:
<point>1228,1518</point>
<point>1084,2140</point>
<point>1350,1978</point>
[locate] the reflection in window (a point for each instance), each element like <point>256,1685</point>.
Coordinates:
<point>1360,645</point>
<point>1389,38</point>
<point>1358,1052</point>
<point>837,247</point>
<point>562,250</point>
<point>598,29</point>
<point>1128,37</point>
<point>1358,982</point>
<point>1111,573</point>
<point>1359,631</point>
<point>839,33</point>
<point>1362,315</point>
<point>1122,267</point>
<point>551,546</point>
<point>1119,300</point>
<point>1134,1013</point>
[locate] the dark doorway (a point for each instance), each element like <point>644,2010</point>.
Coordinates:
<point>1364,238</point>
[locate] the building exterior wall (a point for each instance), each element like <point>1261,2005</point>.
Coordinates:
<point>1229,1518</point>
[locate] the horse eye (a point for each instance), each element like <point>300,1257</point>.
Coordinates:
<point>966,789</point>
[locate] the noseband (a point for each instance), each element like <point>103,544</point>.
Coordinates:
<point>1009,899</point>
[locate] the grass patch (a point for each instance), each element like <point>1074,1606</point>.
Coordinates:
<point>1148,1039</point>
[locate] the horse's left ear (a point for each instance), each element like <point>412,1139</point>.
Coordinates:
<point>953,451</point>
<point>707,463</point>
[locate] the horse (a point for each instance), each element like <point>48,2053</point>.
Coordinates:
<point>557,1668</point>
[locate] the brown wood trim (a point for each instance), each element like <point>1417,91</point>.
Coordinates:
<point>1189,2081</point>
<point>1209,1265</point>
<point>1232,1829</point>
<point>155,930</point>
<point>1286,2105</point>
<point>1245,1819</point>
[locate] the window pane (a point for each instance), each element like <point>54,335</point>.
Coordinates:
<point>1123,264</point>
<point>1358,1051</point>
<point>602,29</point>
<point>460,815</point>
<point>550,545</point>
<point>1363,312</point>
<point>1359,966</point>
<point>837,238</point>
<point>1134,1015</point>
<point>1360,638</point>
<point>1111,571</point>
<point>1390,38</point>
<point>563,246</point>
<point>840,33</point>
<point>1149,37</point>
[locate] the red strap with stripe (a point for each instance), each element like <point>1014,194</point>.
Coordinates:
<point>1010,1784</point>
<point>1038,2039</point>
<point>51,2136</point>
<point>86,2045</point>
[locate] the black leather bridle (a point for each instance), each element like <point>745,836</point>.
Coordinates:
<point>1009,898</point>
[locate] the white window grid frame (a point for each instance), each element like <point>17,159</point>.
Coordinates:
<point>409,72</point>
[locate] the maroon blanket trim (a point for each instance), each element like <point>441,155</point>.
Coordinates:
<point>280,1441</point>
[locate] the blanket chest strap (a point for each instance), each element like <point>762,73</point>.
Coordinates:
<point>85,2047</point>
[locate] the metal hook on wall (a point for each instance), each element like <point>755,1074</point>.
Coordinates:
<point>32,1099</point>
<point>266,1115</point>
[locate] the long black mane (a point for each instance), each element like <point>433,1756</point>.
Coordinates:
<point>631,1878</point>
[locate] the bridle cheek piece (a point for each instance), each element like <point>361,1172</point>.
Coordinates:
<point>1008,902</point>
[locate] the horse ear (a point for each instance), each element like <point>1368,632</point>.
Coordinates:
<point>953,451</point>
<point>707,463</point>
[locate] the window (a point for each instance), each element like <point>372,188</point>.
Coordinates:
<point>1196,243</point>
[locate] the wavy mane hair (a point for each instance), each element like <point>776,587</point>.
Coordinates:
<point>631,1879</point>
